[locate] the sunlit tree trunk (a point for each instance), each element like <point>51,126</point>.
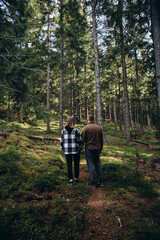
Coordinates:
<point>61,69</point>
<point>132,123</point>
<point>126,103</point>
<point>110,110</point>
<point>141,117</point>
<point>97,73</point>
<point>120,109</point>
<point>71,96</point>
<point>155,5</point>
<point>148,117</point>
<point>139,95</point>
<point>120,115</point>
<point>115,113</point>
<point>48,78</point>
<point>125,94</point>
<point>86,107</point>
<point>86,98</point>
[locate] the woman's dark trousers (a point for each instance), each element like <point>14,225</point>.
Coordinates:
<point>76,158</point>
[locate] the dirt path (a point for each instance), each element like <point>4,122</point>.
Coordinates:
<point>95,213</point>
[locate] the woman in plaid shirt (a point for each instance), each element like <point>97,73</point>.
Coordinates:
<point>71,145</point>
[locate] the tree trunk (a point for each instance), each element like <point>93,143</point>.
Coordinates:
<point>110,110</point>
<point>139,95</point>
<point>86,98</point>
<point>135,113</point>
<point>126,103</point>
<point>115,113</point>
<point>61,70</point>
<point>126,99</point>
<point>120,115</point>
<point>148,118</point>
<point>155,5</point>
<point>97,73</point>
<point>132,123</point>
<point>120,111</point>
<point>48,78</point>
<point>74,96</point>
<point>71,96</point>
<point>141,118</point>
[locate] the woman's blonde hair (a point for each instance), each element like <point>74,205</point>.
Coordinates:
<point>70,122</point>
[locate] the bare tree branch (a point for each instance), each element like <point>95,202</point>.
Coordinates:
<point>31,69</point>
<point>10,88</point>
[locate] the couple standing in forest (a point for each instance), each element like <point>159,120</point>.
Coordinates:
<point>72,145</point>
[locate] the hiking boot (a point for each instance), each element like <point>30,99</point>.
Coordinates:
<point>91,185</point>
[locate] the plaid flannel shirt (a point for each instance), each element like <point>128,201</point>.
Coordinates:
<point>71,142</point>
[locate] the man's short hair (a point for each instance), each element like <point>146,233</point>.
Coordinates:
<point>90,118</point>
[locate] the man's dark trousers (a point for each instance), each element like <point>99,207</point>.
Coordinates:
<point>93,162</point>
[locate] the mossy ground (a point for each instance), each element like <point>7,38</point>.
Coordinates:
<point>37,203</point>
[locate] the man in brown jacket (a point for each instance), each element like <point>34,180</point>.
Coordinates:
<point>92,137</point>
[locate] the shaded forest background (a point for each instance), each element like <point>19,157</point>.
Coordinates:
<point>48,61</point>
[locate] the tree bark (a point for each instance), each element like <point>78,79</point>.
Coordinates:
<point>97,73</point>
<point>155,6</point>
<point>120,110</point>
<point>71,95</point>
<point>48,78</point>
<point>141,118</point>
<point>61,69</point>
<point>115,112</point>
<point>132,123</point>
<point>110,110</point>
<point>125,94</point>
<point>126,103</point>
<point>139,95</point>
<point>148,118</point>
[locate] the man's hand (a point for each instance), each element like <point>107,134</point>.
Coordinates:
<point>82,152</point>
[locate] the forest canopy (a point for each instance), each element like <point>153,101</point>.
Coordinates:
<point>51,53</point>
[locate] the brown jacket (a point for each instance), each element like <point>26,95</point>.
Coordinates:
<point>92,137</point>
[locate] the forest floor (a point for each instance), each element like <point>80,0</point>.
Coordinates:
<point>38,203</point>
<point>95,218</point>
<point>100,199</point>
